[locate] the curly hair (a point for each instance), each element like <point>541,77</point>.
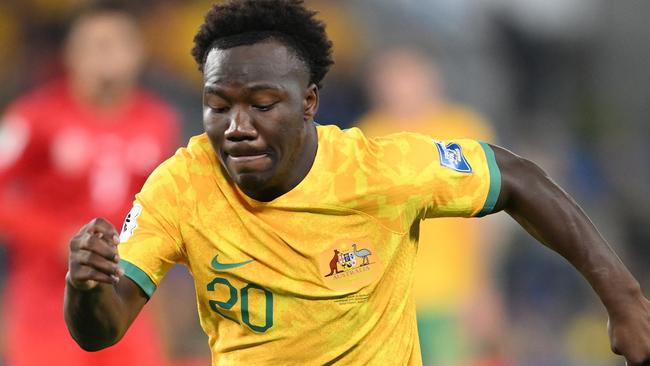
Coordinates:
<point>246,22</point>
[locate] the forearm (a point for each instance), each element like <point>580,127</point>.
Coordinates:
<point>100,302</point>
<point>552,217</point>
<point>95,318</point>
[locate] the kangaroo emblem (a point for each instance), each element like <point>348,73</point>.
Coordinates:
<point>334,264</point>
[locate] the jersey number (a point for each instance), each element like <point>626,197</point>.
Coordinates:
<point>244,292</point>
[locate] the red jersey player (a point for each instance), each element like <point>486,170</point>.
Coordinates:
<point>72,149</point>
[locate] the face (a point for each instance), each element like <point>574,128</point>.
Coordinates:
<point>103,55</point>
<point>258,108</point>
<point>404,83</point>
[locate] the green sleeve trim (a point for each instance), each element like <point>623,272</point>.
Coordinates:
<point>139,277</point>
<point>495,181</point>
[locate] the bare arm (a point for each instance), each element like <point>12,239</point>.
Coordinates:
<point>553,218</point>
<point>100,303</point>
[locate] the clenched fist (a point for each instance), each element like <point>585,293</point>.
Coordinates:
<point>629,331</point>
<point>93,256</point>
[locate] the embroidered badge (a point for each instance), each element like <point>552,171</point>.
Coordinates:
<point>451,156</point>
<point>350,264</point>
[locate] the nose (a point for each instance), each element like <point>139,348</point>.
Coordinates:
<point>240,126</point>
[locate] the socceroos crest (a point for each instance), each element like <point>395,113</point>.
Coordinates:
<point>350,264</point>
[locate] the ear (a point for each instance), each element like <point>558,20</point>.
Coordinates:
<point>310,103</point>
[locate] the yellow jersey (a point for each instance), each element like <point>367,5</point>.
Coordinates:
<point>322,274</point>
<point>450,265</point>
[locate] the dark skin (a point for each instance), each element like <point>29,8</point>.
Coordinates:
<point>258,113</point>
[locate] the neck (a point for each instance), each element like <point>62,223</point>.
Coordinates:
<point>299,170</point>
<point>306,158</point>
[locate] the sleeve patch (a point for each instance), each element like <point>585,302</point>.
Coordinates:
<point>130,222</point>
<point>451,156</point>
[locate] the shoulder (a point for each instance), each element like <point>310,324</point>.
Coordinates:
<point>330,133</point>
<point>179,185</point>
<point>38,100</point>
<point>191,168</point>
<point>404,146</point>
<point>398,149</point>
<point>25,123</point>
<point>354,139</point>
<point>348,147</point>
<point>197,156</point>
<point>353,143</point>
<point>385,161</point>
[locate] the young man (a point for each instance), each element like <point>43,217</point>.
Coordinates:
<point>452,287</point>
<point>301,238</point>
<point>76,147</point>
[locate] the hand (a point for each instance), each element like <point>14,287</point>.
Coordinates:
<point>93,256</point>
<point>629,333</point>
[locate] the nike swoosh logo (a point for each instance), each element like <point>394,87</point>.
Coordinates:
<point>223,266</point>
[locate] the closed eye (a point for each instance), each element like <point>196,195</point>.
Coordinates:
<point>219,109</point>
<point>265,107</point>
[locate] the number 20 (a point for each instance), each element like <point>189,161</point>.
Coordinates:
<point>227,305</point>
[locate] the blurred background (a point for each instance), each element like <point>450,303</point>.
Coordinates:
<point>565,83</point>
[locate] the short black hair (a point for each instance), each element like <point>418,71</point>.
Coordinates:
<point>246,22</point>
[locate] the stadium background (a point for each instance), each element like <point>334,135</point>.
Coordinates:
<point>564,82</point>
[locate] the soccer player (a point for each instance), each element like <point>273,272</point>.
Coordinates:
<point>302,238</point>
<point>458,310</point>
<point>75,147</point>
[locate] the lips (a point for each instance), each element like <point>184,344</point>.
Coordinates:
<point>246,159</point>
<point>246,153</point>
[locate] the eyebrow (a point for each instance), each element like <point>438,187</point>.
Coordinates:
<point>217,90</point>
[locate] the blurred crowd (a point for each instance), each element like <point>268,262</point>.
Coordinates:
<point>562,82</point>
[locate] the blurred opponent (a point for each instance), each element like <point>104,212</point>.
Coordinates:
<point>459,317</point>
<point>76,147</point>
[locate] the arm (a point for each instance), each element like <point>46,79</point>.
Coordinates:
<point>552,217</point>
<point>100,303</point>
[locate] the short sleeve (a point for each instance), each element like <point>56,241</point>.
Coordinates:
<point>150,240</point>
<point>443,178</point>
<point>465,179</point>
